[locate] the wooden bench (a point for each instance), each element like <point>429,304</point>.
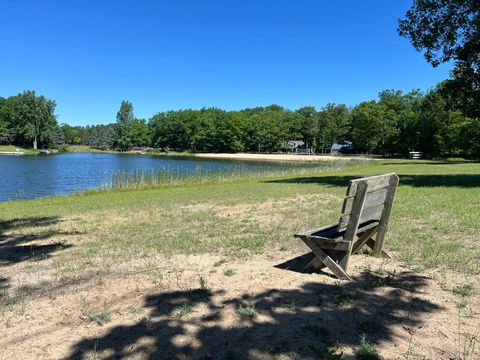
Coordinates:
<point>365,212</point>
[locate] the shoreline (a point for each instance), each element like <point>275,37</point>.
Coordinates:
<point>232,156</point>
<point>278,157</point>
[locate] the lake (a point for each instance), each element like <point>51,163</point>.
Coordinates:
<point>29,177</point>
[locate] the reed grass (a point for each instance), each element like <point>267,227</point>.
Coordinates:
<point>146,179</point>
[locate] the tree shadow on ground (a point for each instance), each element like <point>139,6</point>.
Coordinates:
<point>4,285</point>
<point>296,323</point>
<point>431,162</point>
<point>17,246</point>
<point>32,221</point>
<point>451,180</point>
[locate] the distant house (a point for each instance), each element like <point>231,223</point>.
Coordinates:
<point>297,146</point>
<point>335,149</point>
<point>293,145</point>
<point>344,148</point>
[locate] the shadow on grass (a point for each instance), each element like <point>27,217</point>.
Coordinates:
<point>452,180</point>
<point>296,323</point>
<point>17,246</point>
<point>4,285</point>
<point>431,162</point>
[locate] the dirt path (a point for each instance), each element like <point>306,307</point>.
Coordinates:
<point>192,308</point>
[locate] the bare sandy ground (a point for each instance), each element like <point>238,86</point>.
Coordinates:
<point>188,309</point>
<point>279,157</point>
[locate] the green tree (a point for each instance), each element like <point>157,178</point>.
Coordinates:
<point>331,126</point>
<point>308,116</point>
<point>7,131</point>
<point>70,134</point>
<point>407,108</point>
<point>449,30</point>
<point>440,128</point>
<point>444,29</point>
<point>140,133</point>
<point>33,118</point>
<point>172,129</point>
<point>373,127</point>
<point>469,133</point>
<point>125,119</point>
<point>59,139</point>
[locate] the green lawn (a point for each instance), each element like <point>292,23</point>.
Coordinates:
<point>16,148</point>
<point>434,223</point>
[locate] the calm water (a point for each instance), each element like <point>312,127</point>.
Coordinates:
<point>28,177</point>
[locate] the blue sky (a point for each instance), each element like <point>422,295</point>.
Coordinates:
<point>163,55</point>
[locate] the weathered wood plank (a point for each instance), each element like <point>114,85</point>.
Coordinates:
<point>310,232</point>
<point>383,254</point>
<point>383,224</point>
<point>363,238</point>
<point>327,260</point>
<point>374,183</point>
<point>373,198</point>
<point>354,221</point>
<point>373,213</point>
<point>330,244</point>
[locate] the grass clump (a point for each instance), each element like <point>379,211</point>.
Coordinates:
<point>345,297</point>
<point>330,352</point>
<point>292,305</point>
<point>219,263</point>
<point>463,290</point>
<point>246,311</point>
<point>184,310</point>
<point>229,272</point>
<point>100,318</point>
<point>136,310</point>
<point>327,353</point>
<point>367,350</point>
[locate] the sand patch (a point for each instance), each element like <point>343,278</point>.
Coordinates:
<point>405,314</point>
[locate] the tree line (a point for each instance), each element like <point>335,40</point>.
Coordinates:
<point>392,125</point>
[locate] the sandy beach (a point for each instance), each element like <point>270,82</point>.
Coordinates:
<point>280,157</point>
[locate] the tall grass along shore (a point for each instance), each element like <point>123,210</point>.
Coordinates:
<point>144,179</point>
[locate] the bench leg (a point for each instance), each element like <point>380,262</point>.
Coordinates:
<point>383,253</point>
<point>363,239</point>
<point>343,262</point>
<point>327,260</point>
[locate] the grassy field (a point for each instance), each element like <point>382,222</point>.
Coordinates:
<point>434,225</point>
<point>16,148</point>
<point>435,219</point>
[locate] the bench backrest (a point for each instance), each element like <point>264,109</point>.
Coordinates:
<point>367,199</point>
